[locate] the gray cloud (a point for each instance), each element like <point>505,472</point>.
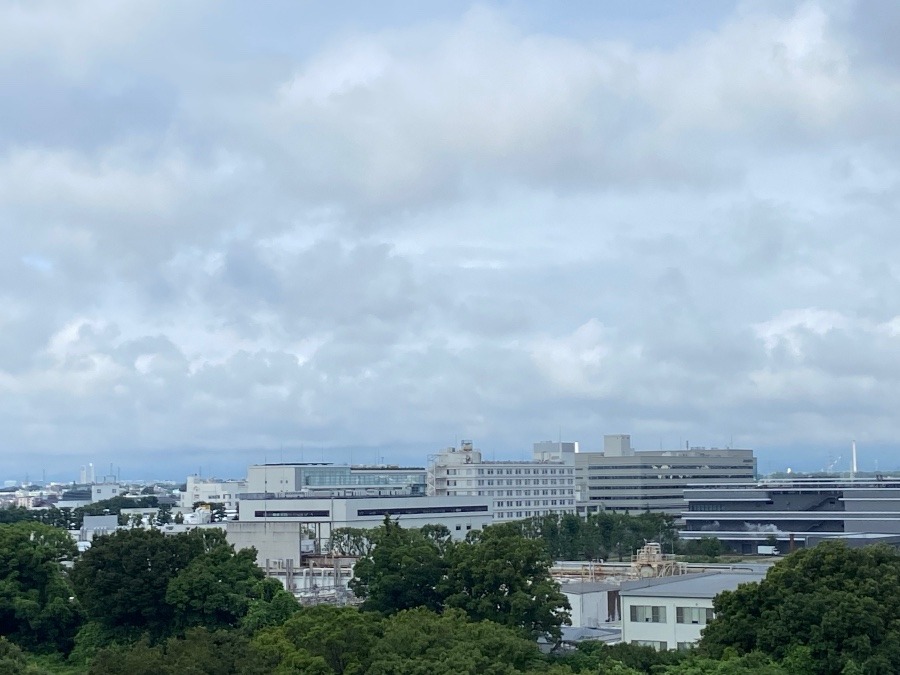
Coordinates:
<point>226,235</point>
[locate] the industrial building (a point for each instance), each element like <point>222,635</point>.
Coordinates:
<point>795,512</point>
<point>212,491</point>
<point>624,480</point>
<point>326,478</point>
<point>670,612</point>
<point>515,489</point>
<point>293,534</point>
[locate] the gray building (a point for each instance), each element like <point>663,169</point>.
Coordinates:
<point>796,512</point>
<point>624,480</point>
<point>326,478</point>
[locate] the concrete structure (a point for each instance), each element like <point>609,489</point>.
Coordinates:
<point>628,481</point>
<point>795,512</point>
<point>670,612</point>
<point>594,604</point>
<point>326,478</point>
<point>516,489</point>
<point>288,527</point>
<point>102,491</point>
<point>212,491</point>
<point>96,526</point>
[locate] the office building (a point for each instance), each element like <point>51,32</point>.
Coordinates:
<point>326,478</point>
<point>624,480</point>
<point>794,512</point>
<point>516,489</point>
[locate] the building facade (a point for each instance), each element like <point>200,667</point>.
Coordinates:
<point>794,512</point>
<point>287,527</point>
<point>671,612</point>
<point>627,481</point>
<point>212,491</point>
<point>326,478</point>
<point>515,489</point>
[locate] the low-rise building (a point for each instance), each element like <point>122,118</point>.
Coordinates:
<point>212,491</point>
<point>594,603</point>
<point>103,491</point>
<point>671,612</point>
<point>289,526</point>
<point>325,478</point>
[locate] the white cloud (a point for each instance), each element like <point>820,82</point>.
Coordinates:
<point>456,227</point>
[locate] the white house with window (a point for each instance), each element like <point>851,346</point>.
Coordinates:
<point>671,612</point>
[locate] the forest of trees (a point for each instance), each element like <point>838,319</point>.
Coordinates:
<point>141,602</point>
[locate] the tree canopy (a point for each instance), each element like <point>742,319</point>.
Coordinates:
<point>498,575</point>
<point>823,610</point>
<point>37,607</point>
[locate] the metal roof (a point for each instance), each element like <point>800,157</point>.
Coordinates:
<point>707,585</point>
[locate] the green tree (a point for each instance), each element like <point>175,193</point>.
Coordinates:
<point>753,663</point>
<point>13,660</point>
<point>351,541</point>
<point>505,578</point>
<point>37,609</point>
<point>419,641</point>
<point>822,607</point>
<point>402,571</point>
<point>215,589</point>
<point>122,579</point>
<point>321,639</point>
<point>270,605</point>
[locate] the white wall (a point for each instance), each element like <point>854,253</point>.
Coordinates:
<point>210,490</point>
<point>671,632</point>
<point>589,610</point>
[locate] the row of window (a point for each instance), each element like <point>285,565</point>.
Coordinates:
<point>509,472</point>
<point>657,614</point>
<point>672,467</point>
<point>671,476</point>
<point>537,502</point>
<point>527,493</point>
<point>507,515</point>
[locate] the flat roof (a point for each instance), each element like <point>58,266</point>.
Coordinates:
<point>583,587</point>
<point>707,585</point>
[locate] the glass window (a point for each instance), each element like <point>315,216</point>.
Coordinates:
<point>648,613</point>
<point>698,615</point>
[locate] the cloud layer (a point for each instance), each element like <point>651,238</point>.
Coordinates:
<point>227,233</point>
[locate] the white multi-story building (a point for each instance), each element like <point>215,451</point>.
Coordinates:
<point>212,491</point>
<point>671,612</point>
<point>516,489</point>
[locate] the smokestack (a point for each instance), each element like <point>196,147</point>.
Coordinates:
<point>853,465</point>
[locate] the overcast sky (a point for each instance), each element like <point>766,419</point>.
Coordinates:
<point>234,232</point>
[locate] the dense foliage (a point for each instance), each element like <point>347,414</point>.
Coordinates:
<point>495,575</point>
<point>142,602</point>
<point>599,536</point>
<point>830,609</point>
